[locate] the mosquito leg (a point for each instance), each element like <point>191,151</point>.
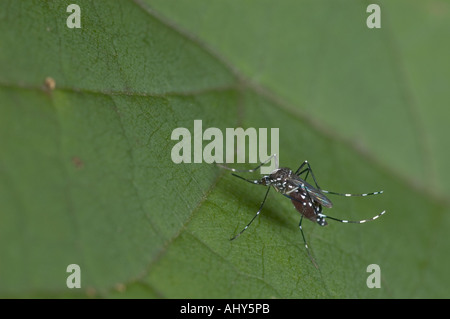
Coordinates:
<point>254,169</point>
<point>252,181</point>
<point>348,195</point>
<point>306,244</point>
<point>308,170</point>
<point>352,221</point>
<point>300,168</point>
<point>257,214</point>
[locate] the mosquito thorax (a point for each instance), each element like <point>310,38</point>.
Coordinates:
<point>278,178</point>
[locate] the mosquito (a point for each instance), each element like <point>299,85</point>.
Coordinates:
<point>308,200</point>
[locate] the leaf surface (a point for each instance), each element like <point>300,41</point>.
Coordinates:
<point>86,174</point>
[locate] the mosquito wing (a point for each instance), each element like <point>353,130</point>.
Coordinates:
<point>313,192</point>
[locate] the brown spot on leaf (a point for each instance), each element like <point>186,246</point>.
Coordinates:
<point>77,162</point>
<point>120,287</point>
<point>49,84</point>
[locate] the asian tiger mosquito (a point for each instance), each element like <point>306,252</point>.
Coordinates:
<point>307,199</point>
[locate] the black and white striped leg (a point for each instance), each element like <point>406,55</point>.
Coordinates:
<point>253,169</point>
<point>345,221</point>
<point>351,195</point>
<point>308,170</point>
<point>252,181</point>
<point>257,214</point>
<point>306,244</point>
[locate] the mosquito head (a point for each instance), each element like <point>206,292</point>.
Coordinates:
<point>265,180</point>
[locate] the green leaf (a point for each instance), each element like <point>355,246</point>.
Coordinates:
<point>86,174</point>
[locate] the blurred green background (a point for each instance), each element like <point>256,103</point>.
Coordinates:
<point>86,175</point>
